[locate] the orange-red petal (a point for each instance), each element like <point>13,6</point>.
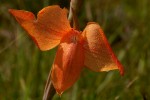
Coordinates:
<point>49,27</point>
<point>68,62</point>
<point>98,53</point>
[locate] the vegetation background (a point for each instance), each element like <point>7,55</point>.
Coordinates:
<point>126,23</point>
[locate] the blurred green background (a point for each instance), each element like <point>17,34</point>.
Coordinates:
<point>126,23</point>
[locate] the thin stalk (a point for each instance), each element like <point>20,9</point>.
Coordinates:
<point>49,91</point>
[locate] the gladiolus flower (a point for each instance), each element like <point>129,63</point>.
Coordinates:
<point>76,49</point>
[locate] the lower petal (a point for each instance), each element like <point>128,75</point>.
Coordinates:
<point>68,62</point>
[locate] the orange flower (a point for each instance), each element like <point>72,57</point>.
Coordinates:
<point>76,49</point>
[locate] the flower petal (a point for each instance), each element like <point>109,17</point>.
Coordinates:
<point>98,53</point>
<point>49,27</point>
<point>68,62</point>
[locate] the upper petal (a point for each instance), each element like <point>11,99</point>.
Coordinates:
<point>68,62</point>
<point>98,53</point>
<point>49,27</point>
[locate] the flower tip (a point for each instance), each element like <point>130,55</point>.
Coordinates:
<point>10,10</point>
<point>121,71</point>
<point>59,93</point>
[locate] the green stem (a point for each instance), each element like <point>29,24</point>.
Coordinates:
<point>49,91</point>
